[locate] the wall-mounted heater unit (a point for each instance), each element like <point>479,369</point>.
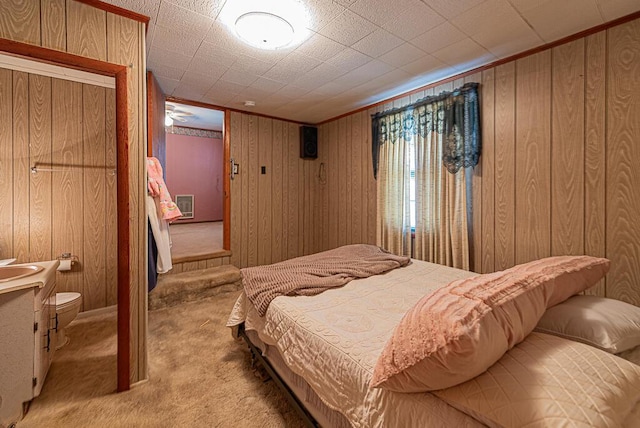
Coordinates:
<point>185,205</point>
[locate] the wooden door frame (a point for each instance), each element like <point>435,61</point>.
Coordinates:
<point>119,72</point>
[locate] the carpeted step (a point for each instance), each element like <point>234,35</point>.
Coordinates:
<point>193,285</point>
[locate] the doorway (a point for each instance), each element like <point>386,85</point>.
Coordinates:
<point>194,174</point>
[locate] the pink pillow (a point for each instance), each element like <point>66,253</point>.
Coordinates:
<point>457,332</point>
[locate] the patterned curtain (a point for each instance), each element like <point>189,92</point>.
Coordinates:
<point>393,219</point>
<point>446,141</point>
<point>457,117</point>
<point>442,198</point>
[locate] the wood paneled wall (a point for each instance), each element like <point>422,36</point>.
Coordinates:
<point>560,165</point>
<point>299,206</point>
<point>80,29</point>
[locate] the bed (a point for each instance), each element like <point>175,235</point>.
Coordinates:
<point>324,349</point>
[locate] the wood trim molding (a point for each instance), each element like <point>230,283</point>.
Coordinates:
<point>493,64</point>
<point>50,56</point>
<point>226,202</point>
<point>64,59</point>
<point>122,184</point>
<point>117,10</point>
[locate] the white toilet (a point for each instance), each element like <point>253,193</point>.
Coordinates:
<point>67,308</point>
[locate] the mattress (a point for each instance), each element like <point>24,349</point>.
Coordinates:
<point>333,341</point>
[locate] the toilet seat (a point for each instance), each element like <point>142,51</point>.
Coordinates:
<point>64,300</point>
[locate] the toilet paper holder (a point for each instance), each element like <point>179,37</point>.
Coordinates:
<point>67,257</point>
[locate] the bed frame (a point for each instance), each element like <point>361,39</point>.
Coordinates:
<point>256,355</point>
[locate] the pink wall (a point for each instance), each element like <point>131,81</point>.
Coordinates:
<point>194,167</point>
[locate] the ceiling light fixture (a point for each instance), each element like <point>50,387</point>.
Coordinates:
<point>267,24</point>
<point>168,121</point>
<point>264,30</point>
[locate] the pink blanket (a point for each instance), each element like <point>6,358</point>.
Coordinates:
<point>311,275</point>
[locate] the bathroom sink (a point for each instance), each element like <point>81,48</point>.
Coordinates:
<point>8,273</point>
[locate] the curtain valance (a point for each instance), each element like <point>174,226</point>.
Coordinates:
<point>454,114</point>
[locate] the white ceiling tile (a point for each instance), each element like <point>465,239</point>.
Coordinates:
<point>173,40</point>
<point>167,85</point>
<point>321,12</point>
<point>330,88</point>
<point>148,40</point>
<point>183,20</point>
<point>347,28</point>
<point>380,11</point>
<point>486,16</point>
<point>349,59</point>
<point>525,5</point>
<point>270,56</point>
<point>206,67</point>
<point>187,92</point>
<point>413,21</point>
<point>508,39</point>
<point>423,65</point>
<point>362,74</point>
<point>464,55</point>
<point>210,8</point>
<point>291,91</point>
<point>166,71</point>
<point>291,67</point>
<point>377,43</point>
<point>239,77</point>
<point>253,94</point>
<point>161,56</point>
<point>556,19</point>
<point>346,3</point>
<point>613,9</point>
<point>218,96</point>
<point>452,8</point>
<point>198,81</point>
<point>439,37</point>
<point>226,86</point>
<point>320,47</point>
<point>267,85</point>
<point>144,7</point>
<point>251,65</point>
<point>320,75</point>
<point>402,55</point>
<point>210,52</point>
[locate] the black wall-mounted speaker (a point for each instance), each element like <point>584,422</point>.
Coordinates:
<point>308,142</point>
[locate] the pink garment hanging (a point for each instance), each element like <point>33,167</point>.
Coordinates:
<point>158,189</point>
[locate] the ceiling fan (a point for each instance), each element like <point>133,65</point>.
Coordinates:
<point>173,113</point>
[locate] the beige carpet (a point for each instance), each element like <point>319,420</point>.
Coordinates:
<point>199,376</point>
<point>191,239</point>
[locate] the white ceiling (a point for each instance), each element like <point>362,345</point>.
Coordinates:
<point>359,51</point>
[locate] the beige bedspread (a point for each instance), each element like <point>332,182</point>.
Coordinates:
<point>333,341</point>
<point>313,274</point>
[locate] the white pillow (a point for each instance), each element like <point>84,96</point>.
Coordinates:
<point>608,324</point>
